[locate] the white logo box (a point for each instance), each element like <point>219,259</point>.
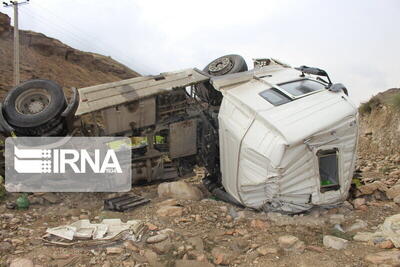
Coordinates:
<point>68,164</point>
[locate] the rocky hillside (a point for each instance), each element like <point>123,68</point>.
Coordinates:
<point>48,58</point>
<point>380,124</point>
<point>379,143</point>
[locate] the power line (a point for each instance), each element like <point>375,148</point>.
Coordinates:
<point>100,43</point>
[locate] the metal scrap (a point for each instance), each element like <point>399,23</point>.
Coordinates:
<point>83,232</point>
<point>124,203</point>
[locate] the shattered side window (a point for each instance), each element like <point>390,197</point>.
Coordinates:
<point>302,87</point>
<point>275,97</point>
<point>328,169</point>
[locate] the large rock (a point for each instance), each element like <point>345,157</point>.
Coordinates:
<point>368,189</point>
<point>335,242</point>
<point>179,190</point>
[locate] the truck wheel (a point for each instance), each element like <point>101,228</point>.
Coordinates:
<point>34,103</point>
<point>223,65</point>
<point>226,65</point>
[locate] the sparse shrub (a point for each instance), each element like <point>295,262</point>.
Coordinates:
<point>367,107</point>
<point>396,101</point>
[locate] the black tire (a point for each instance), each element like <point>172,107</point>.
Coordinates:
<point>54,106</point>
<point>41,130</point>
<point>221,66</point>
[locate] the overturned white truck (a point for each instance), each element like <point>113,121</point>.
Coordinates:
<point>273,138</point>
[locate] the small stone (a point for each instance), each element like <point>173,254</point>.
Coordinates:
<point>197,243</point>
<point>179,190</point>
<point>114,250</point>
<point>170,211</point>
<point>151,257</point>
<point>192,263</point>
<point>265,250</point>
<point>84,217</point>
<point>16,242</point>
<point>370,188</point>
<point>106,264</point>
<point>224,209</point>
<point>128,244</point>
<point>396,200</point>
<point>168,231</point>
<point>162,247</point>
<point>151,226</point>
<point>222,256</point>
<point>287,241</point>
<point>5,246</point>
<point>315,249</point>
<point>359,224</point>
<point>393,192</point>
<point>21,262</point>
<point>259,224</point>
<point>334,242</point>
<point>385,244</point>
<point>15,221</point>
<point>156,238</point>
<point>363,236</point>
<point>291,243</point>
<point>358,202</point>
<point>336,218</point>
<point>385,257</point>
<point>51,197</point>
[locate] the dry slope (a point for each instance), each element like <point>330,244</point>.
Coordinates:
<point>48,58</point>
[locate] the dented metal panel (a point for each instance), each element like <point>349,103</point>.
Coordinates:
<point>137,114</point>
<point>107,95</point>
<point>183,137</point>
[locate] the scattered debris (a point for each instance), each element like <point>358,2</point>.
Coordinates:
<point>124,203</point>
<point>389,230</point>
<point>22,202</point>
<point>83,231</point>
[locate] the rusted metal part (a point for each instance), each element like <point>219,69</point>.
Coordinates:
<point>124,118</point>
<point>108,95</point>
<point>124,203</point>
<point>183,139</point>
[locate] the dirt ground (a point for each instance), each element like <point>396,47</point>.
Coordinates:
<point>203,226</point>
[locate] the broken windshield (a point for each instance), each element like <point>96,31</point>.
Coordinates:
<point>302,87</point>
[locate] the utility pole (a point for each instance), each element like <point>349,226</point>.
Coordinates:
<point>15,5</point>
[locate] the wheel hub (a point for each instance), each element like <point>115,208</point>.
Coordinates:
<point>35,107</point>
<point>220,66</point>
<point>33,101</point>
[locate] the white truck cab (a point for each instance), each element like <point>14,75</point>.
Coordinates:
<point>286,142</point>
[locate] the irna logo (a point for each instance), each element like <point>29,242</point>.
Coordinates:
<point>58,160</point>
